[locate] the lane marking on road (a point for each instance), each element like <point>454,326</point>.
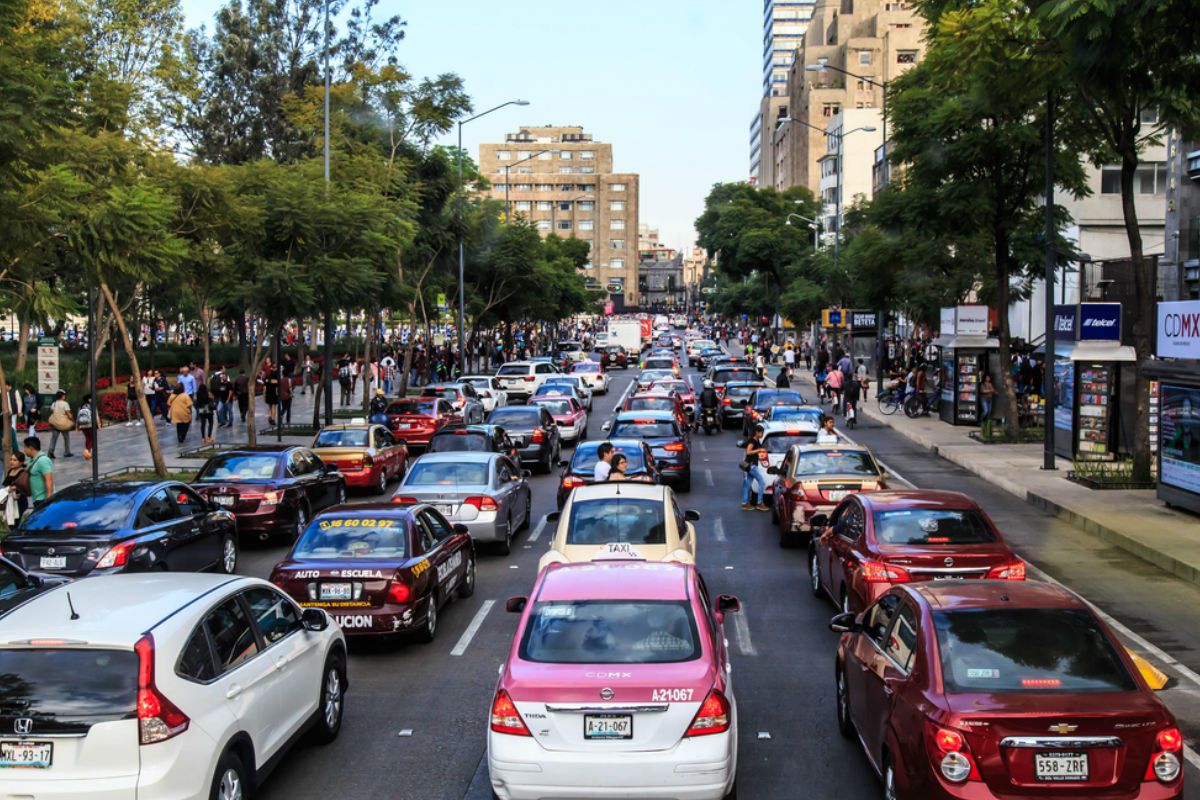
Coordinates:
<point>741,630</point>
<point>464,641</point>
<point>537,532</point>
<point>719,528</point>
<point>884,466</point>
<point>708,478</point>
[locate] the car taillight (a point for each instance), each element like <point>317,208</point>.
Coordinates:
<point>368,461</point>
<point>116,556</point>
<point>528,378</point>
<point>725,401</point>
<point>399,592</point>
<point>264,498</point>
<point>713,716</point>
<point>505,718</point>
<point>571,482</point>
<point>949,750</point>
<point>881,572</point>
<point>674,447</point>
<point>538,437</point>
<point>1008,572</point>
<point>403,500</point>
<point>1164,762</point>
<point>158,718</point>
<point>482,502</point>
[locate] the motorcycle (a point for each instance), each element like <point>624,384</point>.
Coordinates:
<point>709,421</point>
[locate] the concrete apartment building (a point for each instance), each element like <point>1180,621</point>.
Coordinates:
<point>1179,269</point>
<point>854,163</point>
<point>784,24</point>
<point>563,181</point>
<point>875,39</point>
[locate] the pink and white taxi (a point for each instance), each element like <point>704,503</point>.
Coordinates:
<point>569,415</point>
<point>618,684</point>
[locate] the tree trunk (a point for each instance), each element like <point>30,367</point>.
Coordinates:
<point>256,364</point>
<point>10,421</point>
<point>1007,392</point>
<point>206,321</point>
<point>160,466</point>
<point>22,346</point>
<point>1146,291</point>
<point>112,366</point>
<point>366,370</point>
<point>240,323</point>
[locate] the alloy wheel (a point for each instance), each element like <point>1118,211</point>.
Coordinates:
<point>814,572</point>
<point>301,522</point>
<point>431,619</point>
<point>231,786</point>
<point>333,698</point>
<point>229,555</point>
<point>383,480</point>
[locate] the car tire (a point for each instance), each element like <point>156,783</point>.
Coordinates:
<point>890,790</point>
<point>332,700</point>
<point>231,780</point>
<point>842,701</point>
<point>302,517</point>
<point>341,495</point>
<point>774,511</point>
<point>428,631</point>
<point>814,572</point>
<point>467,587</point>
<point>524,526</point>
<point>504,546</point>
<point>229,554</point>
<point>382,485</point>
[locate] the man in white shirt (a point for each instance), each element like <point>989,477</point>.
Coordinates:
<point>604,465</point>
<point>827,435</point>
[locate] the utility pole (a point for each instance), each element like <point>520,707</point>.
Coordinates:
<point>327,367</point>
<point>1048,367</point>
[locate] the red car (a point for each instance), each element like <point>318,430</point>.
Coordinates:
<point>570,417</point>
<point>687,395</point>
<point>615,357</point>
<point>415,420</point>
<point>984,690</point>
<point>812,479</point>
<point>876,540</point>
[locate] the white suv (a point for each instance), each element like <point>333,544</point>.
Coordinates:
<point>522,378</point>
<point>147,686</point>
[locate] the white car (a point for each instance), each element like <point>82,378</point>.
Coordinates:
<point>694,347</point>
<point>593,375</point>
<point>622,520</point>
<point>600,340</point>
<point>520,379</point>
<point>577,383</point>
<point>490,392</point>
<point>779,436</point>
<point>163,685</point>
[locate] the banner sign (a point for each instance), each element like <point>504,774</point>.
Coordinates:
<point>946,329</point>
<point>47,365</point>
<point>832,318</point>
<point>971,321</point>
<point>864,320</point>
<point>1100,322</point>
<point>1179,330</point>
<point>1065,322</point>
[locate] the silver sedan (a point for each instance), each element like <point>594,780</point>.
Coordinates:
<point>486,492</point>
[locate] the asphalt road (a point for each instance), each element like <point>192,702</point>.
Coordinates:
<point>415,714</point>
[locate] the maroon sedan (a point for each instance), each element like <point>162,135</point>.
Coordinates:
<point>876,540</point>
<point>982,690</point>
<point>416,420</point>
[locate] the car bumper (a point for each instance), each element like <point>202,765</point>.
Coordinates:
<point>938,789</point>
<point>265,522</point>
<point>531,454</point>
<point>414,438</point>
<point>673,470</point>
<point>699,768</point>
<point>484,528</point>
<point>731,415</point>
<point>362,478</point>
<point>570,432</point>
<point>358,621</point>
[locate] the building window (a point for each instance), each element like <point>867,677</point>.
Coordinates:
<point>564,205</point>
<point>503,155</point>
<point>589,265</point>
<point>864,57</point>
<point>616,205</point>
<point>545,187</point>
<point>499,187</point>
<point>545,155</point>
<point>616,244</point>
<point>566,187</point>
<point>523,205</point>
<point>587,205</point>
<point>616,263</point>
<point>831,109</point>
<point>616,224</point>
<point>587,170</point>
<point>1149,116</point>
<point>1149,178</point>
<point>906,57</point>
<point>522,187</point>
<point>587,155</point>
<point>543,224</point>
<point>617,187</point>
<point>545,205</point>
<point>585,225</point>
<point>586,187</point>
<point>523,154</point>
<point>525,170</point>
<point>566,155</point>
<point>564,170</point>
<point>564,224</point>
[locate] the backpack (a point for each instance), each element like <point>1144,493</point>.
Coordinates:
<point>84,420</point>
<point>344,371</point>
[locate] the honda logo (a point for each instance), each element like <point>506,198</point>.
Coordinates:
<point>49,551</point>
<point>22,726</point>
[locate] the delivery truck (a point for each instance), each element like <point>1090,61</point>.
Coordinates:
<point>628,334</point>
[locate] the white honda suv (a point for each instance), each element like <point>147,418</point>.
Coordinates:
<point>156,685</point>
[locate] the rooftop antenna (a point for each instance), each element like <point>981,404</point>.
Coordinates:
<point>70,605</point>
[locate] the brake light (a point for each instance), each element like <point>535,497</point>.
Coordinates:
<point>403,500</point>
<point>725,401</point>
<point>881,572</point>
<point>482,502</point>
<point>1041,683</point>
<point>505,718</point>
<point>1164,761</point>
<point>674,447</point>
<point>1008,572</point>
<point>116,556</point>
<point>949,750</point>
<point>264,498</point>
<point>158,718</point>
<point>528,378</point>
<point>713,716</point>
<point>399,592</point>
<point>538,436</point>
<point>571,482</point>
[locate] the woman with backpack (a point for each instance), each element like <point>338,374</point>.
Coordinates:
<point>202,405</point>
<point>85,421</point>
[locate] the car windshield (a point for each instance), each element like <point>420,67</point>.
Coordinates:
<point>645,429</point>
<point>412,407</point>
<point>513,369</point>
<point>347,438</point>
<point>727,375</point>
<point>81,512</point>
<point>617,519</point>
<point>650,404</point>
<point>239,467</point>
<point>73,684</point>
<point>1027,650</point>
<point>778,443</point>
<point>586,368</point>
<point>559,408</point>
<point>583,462</point>
<point>459,442</point>
<point>352,537</point>
<point>793,414</point>
<point>446,473</point>
<point>778,397</point>
<point>515,418</point>
<point>835,462</point>
<point>610,632</point>
<point>932,526</point>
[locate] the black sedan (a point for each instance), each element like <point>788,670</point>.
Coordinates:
<point>273,490</point>
<point>469,439</point>
<point>18,585</point>
<point>580,471</point>
<point>763,400</point>
<point>533,432</point>
<point>734,397</point>
<point>668,442</point>
<point>114,526</point>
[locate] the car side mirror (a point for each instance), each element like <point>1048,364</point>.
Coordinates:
<point>526,473</point>
<point>562,463</point>
<point>515,605</point>
<point>772,470</point>
<point>819,521</point>
<point>34,581</point>
<point>728,604</point>
<point>402,442</point>
<point>606,427</point>
<point>844,623</point>
<point>691,515</point>
<point>458,527</point>
<point>554,516</point>
<point>314,619</point>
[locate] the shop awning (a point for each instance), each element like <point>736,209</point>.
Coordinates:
<point>942,341</point>
<point>1093,351</point>
<point>968,343</point>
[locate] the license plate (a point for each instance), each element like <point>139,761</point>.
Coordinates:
<point>1060,767</point>
<point>28,755</point>
<point>607,726</point>
<point>53,562</point>
<point>947,577</point>
<point>446,511</point>
<point>337,591</point>
<point>837,495</point>
<point>404,426</point>
<point>223,500</point>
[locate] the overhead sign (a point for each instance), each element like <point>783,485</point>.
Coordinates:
<point>1065,322</point>
<point>1099,322</point>
<point>947,325</point>
<point>1179,330</point>
<point>864,320</point>
<point>832,318</point>
<point>971,321</point>
<point>47,365</point>
<point>441,301</point>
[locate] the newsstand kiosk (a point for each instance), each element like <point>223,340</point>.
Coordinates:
<point>967,354</point>
<point>1177,373</point>
<point>1091,381</point>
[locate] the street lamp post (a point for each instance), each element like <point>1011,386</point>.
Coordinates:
<point>812,223</point>
<point>823,65</point>
<point>327,367</point>
<point>462,353</point>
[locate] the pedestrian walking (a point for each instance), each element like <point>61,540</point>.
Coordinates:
<point>180,412</point>
<point>306,374</point>
<point>62,422</point>
<point>202,406</point>
<point>987,395</point>
<point>241,388</point>
<point>85,420</point>
<point>755,455</point>
<point>187,380</point>
<point>31,406</point>
<point>345,381</point>
<point>270,379</point>
<point>285,399</point>
<point>16,487</point>
<point>132,411</point>
<point>223,397</point>
<point>789,357</point>
<point>808,355</point>
<point>162,391</point>
<point>41,470</point>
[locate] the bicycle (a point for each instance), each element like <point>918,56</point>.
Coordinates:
<point>890,401</point>
<point>920,405</point>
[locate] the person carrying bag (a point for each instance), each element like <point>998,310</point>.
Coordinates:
<point>61,424</point>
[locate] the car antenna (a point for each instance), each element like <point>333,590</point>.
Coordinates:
<point>70,605</point>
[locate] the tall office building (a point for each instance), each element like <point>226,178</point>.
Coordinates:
<point>563,181</point>
<point>784,24</point>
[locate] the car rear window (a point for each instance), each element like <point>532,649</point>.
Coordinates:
<point>102,512</point>
<point>792,414</point>
<point>586,368</point>
<point>413,407</point>
<point>739,391</point>
<point>238,467</point>
<point>617,519</point>
<point>777,397</point>
<point>510,418</point>
<point>353,537</point>
<point>646,429</point>
<point>459,442</point>
<point>650,404</point>
<point>446,473</point>
<point>585,458</point>
<point>932,526</point>
<point>660,363</point>
<point>610,632</point>
<point>1027,650</point>
<point>446,393</point>
<point>570,347</point>
<point>780,442</point>
<point>354,438</point>
<point>835,462</point>
<point>513,369</point>
<point>559,407</point>
<point>69,684</point>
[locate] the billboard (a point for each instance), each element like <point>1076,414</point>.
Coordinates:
<point>1179,436</point>
<point>1179,330</point>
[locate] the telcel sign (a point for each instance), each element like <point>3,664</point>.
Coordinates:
<point>1088,322</point>
<point>1179,330</point>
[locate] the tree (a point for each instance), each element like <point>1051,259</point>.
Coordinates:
<point>1124,59</point>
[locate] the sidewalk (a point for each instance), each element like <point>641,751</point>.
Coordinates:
<point>1134,521</point>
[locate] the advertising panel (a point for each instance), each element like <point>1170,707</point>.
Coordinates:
<point>971,321</point>
<point>947,325</point>
<point>1065,318</point>
<point>1100,322</point>
<point>1179,432</point>
<point>1179,330</point>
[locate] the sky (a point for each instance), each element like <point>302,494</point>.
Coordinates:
<point>671,84</point>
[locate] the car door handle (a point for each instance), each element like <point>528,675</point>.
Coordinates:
<point>233,692</point>
<point>888,690</point>
<point>281,662</point>
<point>864,668</point>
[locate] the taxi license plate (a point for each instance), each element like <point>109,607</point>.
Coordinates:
<point>28,755</point>
<point>607,726</point>
<point>404,426</point>
<point>837,494</point>
<point>337,591</point>
<point>53,562</point>
<point>446,511</point>
<point>223,500</point>
<point>1060,767</point>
